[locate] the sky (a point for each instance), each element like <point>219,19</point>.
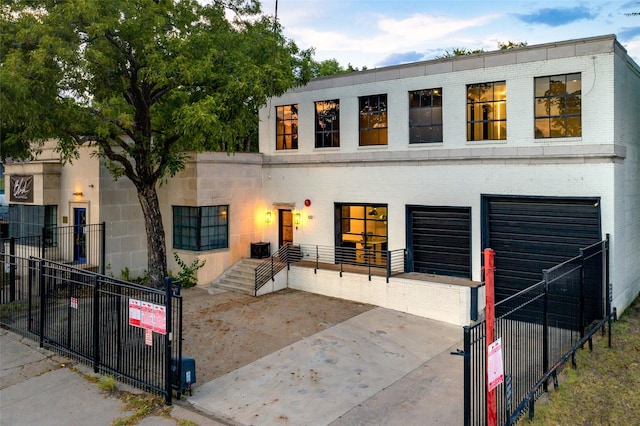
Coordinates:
<point>378,33</point>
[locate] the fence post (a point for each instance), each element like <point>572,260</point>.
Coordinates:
<point>582,277</point>
<point>467,375</point>
<point>168,340</point>
<point>103,245</point>
<point>32,277</point>
<point>545,327</point>
<point>12,269</point>
<point>42,305</point>
<point>492,409</point>
<point>96,325</point>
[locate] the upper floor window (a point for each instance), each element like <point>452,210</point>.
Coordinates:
<point>425,116</point>
<point>558,106</point>
<point>200,228</point>
<point>373,120</point>
<point>287,127</point>
<point>487,111</point>
<point>328,124</point>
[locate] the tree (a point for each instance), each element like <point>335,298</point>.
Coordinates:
<point>331,67</point>
<point>462,51</point>
<point>142,81</point>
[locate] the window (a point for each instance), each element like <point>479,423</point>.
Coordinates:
<point>200,228</point>
<point>373,120</point>
<point>328,124</point>
<point>487,111</point>
<point>425,116</point>
<point>28,221</point>
<point>558,106</point>
<point>287,127</point>
<point>362,231</point>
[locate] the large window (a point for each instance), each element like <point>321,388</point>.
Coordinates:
<point>373,120</point>
<point>362,231</point>
<point>328,124</point>
<point>29,220</point>
<point>425,116</point>
<point>487,111</point>
<point>558,106</point>
<point>200,228</point>
<point>287,127</point>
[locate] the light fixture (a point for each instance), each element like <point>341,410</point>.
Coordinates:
<point>297,219</point>
<point>77,194</point>
<point>267,217</point>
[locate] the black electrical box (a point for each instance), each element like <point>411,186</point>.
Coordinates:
<point>183,374</point>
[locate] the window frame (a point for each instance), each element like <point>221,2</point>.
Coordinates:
<point>192,234</point>
<point>286,127</point>
<point>489,127</point>
<point>563,100</point>
<point>327,127</point>
<point>375,131</point>
<point>424,111</point>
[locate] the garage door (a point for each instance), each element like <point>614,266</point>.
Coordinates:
<point>529,235</point>
<point>439,240</point>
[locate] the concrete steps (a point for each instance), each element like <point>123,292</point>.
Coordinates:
<point>239,278</point>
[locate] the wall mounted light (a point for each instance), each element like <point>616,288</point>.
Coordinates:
<point>297,219</point>
<point>267,217</point>
<point>77,194</point>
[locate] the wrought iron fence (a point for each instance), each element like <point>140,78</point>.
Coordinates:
<point>130,331</point>
<point>540,328</point>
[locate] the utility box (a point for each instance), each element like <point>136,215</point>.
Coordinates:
<point>183,374</point>
<point>260,250</point>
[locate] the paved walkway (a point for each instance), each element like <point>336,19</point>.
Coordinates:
<point>382,367</point>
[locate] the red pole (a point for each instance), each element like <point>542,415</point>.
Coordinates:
<point>492,411</point>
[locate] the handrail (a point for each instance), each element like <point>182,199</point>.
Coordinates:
<point>391,261</point>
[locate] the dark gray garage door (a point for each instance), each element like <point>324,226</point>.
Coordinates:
<point>533,234</point>
<point>439,240</point>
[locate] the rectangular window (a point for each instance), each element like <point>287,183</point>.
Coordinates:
<point>29,221</point>
<point>328,124</point>
<point>362,231</point>
<point>558,106</point>
<point>200,228</point>
<point>425,116</point>
<point>373,120</point>
<point>287,127</point>
<point>487,111</point>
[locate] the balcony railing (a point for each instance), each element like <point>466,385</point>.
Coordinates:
<point>343,259</point>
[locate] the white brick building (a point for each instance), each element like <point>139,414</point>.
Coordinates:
<point>534,152</point>
<point>549,130</point>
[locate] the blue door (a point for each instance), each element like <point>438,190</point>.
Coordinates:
<point>79,235</point>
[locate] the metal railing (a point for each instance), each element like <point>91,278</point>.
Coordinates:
<point>119,328</point>
<point>386,262</point>
<point>83,248</point>
<point>540,328</point>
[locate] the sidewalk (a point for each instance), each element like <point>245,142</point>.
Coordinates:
<point>381,367</point>
<point>37,387</point>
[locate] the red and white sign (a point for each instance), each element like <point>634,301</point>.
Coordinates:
<point>74,302</point>
<point>135,313</point>
<point>148,315</point>
<point>148,337</point>
<point>495,371</point>
<point>160,319</point>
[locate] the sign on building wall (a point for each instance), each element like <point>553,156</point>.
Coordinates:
<point>21,188</point>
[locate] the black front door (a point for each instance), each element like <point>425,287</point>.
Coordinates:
<point>79,235</point>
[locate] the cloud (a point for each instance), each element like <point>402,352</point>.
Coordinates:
<point>400,58</point>
<point>555,17</point>
<point>628,33</point>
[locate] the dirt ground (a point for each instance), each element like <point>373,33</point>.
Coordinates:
<point>225,331</point>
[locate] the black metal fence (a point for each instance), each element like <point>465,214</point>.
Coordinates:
<point>540,329</point>
<point>80,246</point>
<point>127,330</point>
<point>392,262</point>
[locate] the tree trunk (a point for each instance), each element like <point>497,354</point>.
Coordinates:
<point>156,246</point>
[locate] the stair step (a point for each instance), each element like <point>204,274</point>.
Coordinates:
<point>240,277</point>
